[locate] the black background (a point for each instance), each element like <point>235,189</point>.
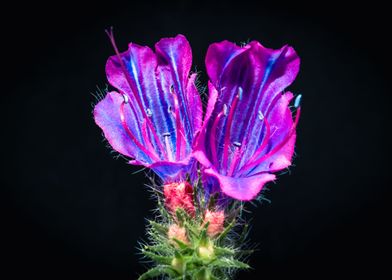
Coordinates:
<point>71,211</point>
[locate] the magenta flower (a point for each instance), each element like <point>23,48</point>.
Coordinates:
<point>157,110</point>
<point>248,132</point>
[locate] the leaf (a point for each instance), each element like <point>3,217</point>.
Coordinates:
<point>229,263</point>
<point>180,244</point>
<point>226,231</point>
<point>181,216</point>
<point>158,271</point>
<point>159,248</point>
<point>219,251</point>
<point>158,228</point>
<point>157,258</point>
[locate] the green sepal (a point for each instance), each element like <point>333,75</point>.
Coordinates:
<point>226,231</point>
<point>158,227</point>
<point>221,251</point>
<point>157,258</point>
<point>159,270</point>
<point>229,263</point>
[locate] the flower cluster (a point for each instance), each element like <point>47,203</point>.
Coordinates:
<point>246,134</point>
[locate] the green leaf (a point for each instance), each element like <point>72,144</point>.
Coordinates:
<point>159,248</point>
<point>182,216</point>
<point>158,228</point>
<point>226,231</point>
<point>229,263</point>
<point>158,271</point>
<point>219,251</point>
<point>192,232</point>
<point>157,258</point>
<point>180,244</point>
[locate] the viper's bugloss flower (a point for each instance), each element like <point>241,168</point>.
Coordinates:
<point>156,110</point>
<point>248,132</point>
<point>179,195</point>
<point>216,220</point>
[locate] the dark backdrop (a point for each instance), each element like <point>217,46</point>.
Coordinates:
<point>71,211</point>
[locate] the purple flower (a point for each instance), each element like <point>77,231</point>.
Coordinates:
<point>248,131</point>
<point>156,110</point>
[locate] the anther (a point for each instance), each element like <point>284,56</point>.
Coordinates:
<point>297,101</point>
<point>149,112</point>
<point>261,116</point>
<point>169,109</point>
<point>171,89</point>
<point>225,111</point>
<point>240,91</point>
<point>126,99</point>
<point>237,144</point>
<point>166,134</point>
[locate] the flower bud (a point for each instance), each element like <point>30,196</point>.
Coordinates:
<point>216,220</point>
<point>179,195</point>
<point>178,233</point>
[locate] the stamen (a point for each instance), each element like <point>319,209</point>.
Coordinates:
<point>235,158</point>
<point>179,128</point>
<point>237,144</point>
<point>261,116</point>
<point>240,91</point>
<point>130,134</point>
<point>169,109</point>
<point>262,146</point>
<point>146,138</point>
<point>279,146</point>
<point>225,109</point>
<point>213,136</point>
<point>228,129</point>
<point>166,137</point>
<point>126,99</point>
<point>264,117</point>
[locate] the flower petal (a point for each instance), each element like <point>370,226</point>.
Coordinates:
<point>177,54</point>
<point>244,189</point>
<point>170,171</point>
<point>107,117</point>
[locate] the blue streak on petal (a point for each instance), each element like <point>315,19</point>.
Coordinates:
<point>184,102</point>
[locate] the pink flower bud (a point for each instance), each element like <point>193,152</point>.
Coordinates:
<point>178,233</point>
<point>216,220</point>
<point>179,195</point>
